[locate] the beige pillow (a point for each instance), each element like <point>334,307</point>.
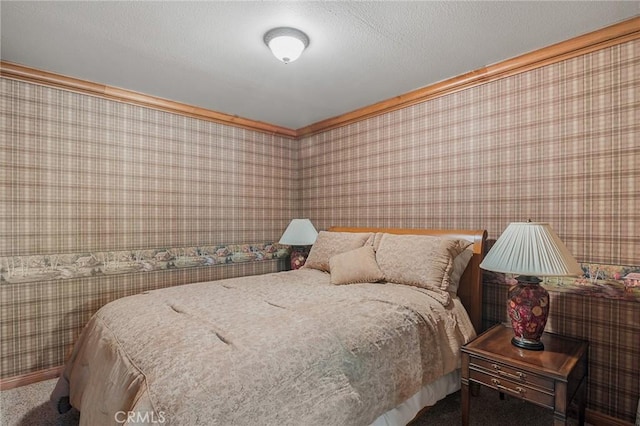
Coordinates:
<point>419,260</point>
<point>329,244</point>
<point>376,240</point>
<point>459,265</point>
<point>355,266</point>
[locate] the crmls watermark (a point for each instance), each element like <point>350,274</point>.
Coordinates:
<point>133,417</point>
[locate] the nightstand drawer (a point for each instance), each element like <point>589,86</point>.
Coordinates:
<point>503,371</point>
<point>512,388</point>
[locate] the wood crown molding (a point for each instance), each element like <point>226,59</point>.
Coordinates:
<point>609,36</point>
<point>45,78</point>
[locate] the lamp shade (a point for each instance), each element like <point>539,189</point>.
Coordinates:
<point>300,232</point>
<point>530,248</point>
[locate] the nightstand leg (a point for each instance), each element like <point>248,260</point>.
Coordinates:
<point>560,411</point>
<point>582,401</point>
<point>464,391</point>
<point>559,420</point>
<point>474,388</point>
<point>464,388</point>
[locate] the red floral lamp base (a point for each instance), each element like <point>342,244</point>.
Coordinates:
<point>528,308</point>
<point>298,257</point>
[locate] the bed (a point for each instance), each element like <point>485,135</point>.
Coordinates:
<point>367,333</point>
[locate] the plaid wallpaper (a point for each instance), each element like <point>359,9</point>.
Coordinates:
<point>80,174</point>
<point>558,144</point>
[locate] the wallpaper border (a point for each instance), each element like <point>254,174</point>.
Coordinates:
<point>38,268</point>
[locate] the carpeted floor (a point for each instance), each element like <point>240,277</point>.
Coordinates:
<point>29,405</point>
<point>487,409</point>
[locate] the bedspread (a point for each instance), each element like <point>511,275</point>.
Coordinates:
<point>286,348</point>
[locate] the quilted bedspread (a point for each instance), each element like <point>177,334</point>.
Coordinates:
<point>286,348</point>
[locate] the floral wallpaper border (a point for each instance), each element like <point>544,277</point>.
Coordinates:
<point>616,282</point>
<point>609,281</point>
<point>23,269</point>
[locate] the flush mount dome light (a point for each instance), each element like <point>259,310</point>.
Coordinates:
<point>286,43</point>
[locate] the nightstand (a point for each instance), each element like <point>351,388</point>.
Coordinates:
<point>551,378</point>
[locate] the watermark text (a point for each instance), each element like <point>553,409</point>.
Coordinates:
<point>133,417</point>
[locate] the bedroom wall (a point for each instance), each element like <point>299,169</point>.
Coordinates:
<point>81,174</point>
<point>556,144</point>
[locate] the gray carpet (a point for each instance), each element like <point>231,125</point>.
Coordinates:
<point>29,405</point>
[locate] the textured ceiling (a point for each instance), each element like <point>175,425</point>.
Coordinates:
<point>211,54</point>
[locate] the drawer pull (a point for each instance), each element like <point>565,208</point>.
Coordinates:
<point>518,390</point>
<point>518,376</point>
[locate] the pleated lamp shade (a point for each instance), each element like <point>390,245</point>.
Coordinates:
<point>530,248</point>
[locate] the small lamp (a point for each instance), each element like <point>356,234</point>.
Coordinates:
<point>529,250</point>
<point>286,43</point>
<point>300,234</point>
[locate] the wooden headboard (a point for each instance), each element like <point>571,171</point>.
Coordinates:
<point>470,289</point>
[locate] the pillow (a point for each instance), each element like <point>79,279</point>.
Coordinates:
<point>419,260</point>
<point>376,240</point>
<point>355,266</point>
<point>331,243</point>
<point>459,265</point>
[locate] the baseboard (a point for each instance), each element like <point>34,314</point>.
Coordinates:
<point>27,379</point>
<point>598,419</point>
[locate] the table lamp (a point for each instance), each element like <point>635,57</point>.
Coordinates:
<point>529,250</point>
<point>300,235</point>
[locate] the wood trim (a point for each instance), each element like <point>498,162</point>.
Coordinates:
<point>598,419</point>
<point>27,379</point>
<point>609,36</point>
<point>45,78</point>
<point>470,289</point>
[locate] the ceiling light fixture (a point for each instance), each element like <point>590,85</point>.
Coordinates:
<point>286,43</point>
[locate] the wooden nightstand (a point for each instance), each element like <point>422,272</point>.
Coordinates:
<point>550,378</point>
